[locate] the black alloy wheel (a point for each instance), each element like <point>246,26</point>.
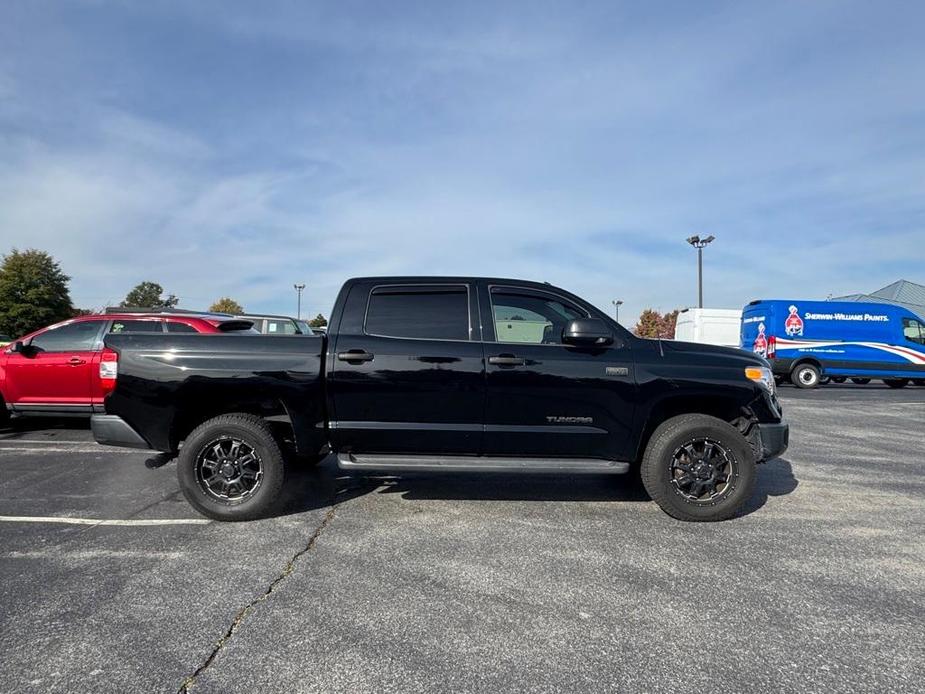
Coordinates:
<point>229,469</point>
<point>703,472</point>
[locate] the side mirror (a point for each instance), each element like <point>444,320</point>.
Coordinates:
<point>17,347</point>
<point>587,332</point>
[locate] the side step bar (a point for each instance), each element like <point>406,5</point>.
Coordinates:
<point>471,463</point>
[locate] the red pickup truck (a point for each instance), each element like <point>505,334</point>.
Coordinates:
<point>64,370</point>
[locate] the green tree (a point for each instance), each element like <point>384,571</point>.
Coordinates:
<point>654,324</point>
<point>227,305</point>
<point>148,295</point>
<point>318,321</point>
<point>33,292</point>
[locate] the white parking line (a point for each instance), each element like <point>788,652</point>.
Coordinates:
<point>45,442</point>
<point>70,449</point>
<point>102,521</point>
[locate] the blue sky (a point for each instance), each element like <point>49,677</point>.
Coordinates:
<point>234,149</point>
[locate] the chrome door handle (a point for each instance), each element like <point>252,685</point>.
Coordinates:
<point>507,360</point>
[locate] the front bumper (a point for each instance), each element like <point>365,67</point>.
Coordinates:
<point>773,440</point>
<point>112,430</point>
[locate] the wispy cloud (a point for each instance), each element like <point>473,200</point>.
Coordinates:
<point>234,150</point>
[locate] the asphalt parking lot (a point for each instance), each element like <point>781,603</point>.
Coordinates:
<point>472,583</point>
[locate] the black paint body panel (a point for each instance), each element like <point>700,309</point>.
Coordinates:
<point>434,397</point>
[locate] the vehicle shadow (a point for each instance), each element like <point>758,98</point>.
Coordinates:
<point>310,488</point>
<point>19,427</point>
<point>775,478</point>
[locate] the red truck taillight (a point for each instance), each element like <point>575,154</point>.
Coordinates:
<point>772,347</point>
<point>109,371</point>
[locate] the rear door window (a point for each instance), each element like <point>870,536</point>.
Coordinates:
<point>280,327</point>
<point>176,327</point>
<point>73,337</point>
<point>136,326</point>
<point>419,312</point>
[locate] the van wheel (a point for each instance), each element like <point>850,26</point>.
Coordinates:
<point>231,468</point>
<point>861,381</point>
<point>698,468</point>
<point>805,375</point>
<point>896,382</point>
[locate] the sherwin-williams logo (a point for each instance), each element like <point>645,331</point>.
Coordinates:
<point>793,326</point>
<point>760,345</point>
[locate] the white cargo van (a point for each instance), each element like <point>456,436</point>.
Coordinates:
<point>709,326</point>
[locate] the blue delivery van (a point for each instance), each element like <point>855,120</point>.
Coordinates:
<point>808,341</point>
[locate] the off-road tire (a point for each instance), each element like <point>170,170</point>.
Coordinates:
<point>256,434</point>
<point>673,434</point>
<point>806,375</point>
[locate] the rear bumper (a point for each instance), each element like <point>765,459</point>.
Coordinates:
<point>111,430</point>
<point>773,439</point>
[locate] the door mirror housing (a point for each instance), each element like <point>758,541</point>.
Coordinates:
<point>17,347</point>
<point>587,332</point>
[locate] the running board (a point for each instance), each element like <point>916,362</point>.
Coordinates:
<point>470,463</point>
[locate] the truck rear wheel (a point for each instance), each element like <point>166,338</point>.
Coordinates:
<point>861,381</point>
<point>806,375</point>
<point>698,468</point>
<point>919,381</point>
<point>231,468</point>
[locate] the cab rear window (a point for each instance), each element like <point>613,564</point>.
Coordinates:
<point>429,313</point>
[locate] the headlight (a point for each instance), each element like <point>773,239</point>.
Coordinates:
<point>762,375</point>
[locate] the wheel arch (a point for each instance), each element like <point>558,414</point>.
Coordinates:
<point>807,360</point>
<point>722,407</point>
<point>194,414</point>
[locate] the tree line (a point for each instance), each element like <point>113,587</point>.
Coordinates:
<point>34,293</point>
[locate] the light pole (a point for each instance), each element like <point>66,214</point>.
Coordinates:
<point>299,288</point>
<point>699,244</point>
<point>616,309</point>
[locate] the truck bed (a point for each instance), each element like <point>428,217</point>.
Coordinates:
<point>166,383</point>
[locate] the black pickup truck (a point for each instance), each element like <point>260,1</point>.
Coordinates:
<point>447,374</point>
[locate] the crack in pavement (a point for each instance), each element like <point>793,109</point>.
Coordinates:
<point>190,681</point>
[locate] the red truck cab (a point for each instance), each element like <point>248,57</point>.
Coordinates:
<point>57,370</point>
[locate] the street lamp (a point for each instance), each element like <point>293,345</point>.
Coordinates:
<point>616,309</point>
<point>699,243</point>
<point>299,288</point>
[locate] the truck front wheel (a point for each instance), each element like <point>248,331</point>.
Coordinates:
<point>698,468</point>
<point>230,468</point>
